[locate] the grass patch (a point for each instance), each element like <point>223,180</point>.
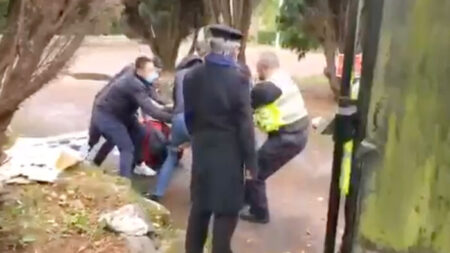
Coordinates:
<point>63,217</point>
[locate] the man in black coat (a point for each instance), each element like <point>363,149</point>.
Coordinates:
<point>219,118</point>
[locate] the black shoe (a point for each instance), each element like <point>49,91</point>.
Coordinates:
<point>153,197</point>
<point>246,215</point>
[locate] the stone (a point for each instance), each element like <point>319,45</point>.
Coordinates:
<point>129,220</point>
<point>140,244</point>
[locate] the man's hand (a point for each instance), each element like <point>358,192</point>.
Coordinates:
<point>185,145</point>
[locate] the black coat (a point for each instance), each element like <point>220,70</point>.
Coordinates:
<point>218,117</point>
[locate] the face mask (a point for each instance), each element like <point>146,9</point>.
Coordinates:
<point>152,77</point>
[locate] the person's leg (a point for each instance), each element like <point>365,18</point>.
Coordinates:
<point>274,154</point>
<point>93,138</point>
<point>116,133</point>
<point>197,230</point>
<point>179,136</point>
<point>256,188</point>
<point>103,152</point>
<point>137,132</point>
<point>224,227</point>
<point>94,135</point>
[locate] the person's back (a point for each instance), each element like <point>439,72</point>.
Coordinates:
<point>218,97</point>
<point>117,99</point>
<point>291,99</point>
<point>218,117</point>
<point>186,65</point>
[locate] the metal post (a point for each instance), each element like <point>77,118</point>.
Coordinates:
<point>342,123</point>
<point>370,50</point>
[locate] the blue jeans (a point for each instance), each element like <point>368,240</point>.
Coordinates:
<point>179,135</point>
<point>127,136</point>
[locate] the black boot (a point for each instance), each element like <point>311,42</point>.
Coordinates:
<point>247,215</point>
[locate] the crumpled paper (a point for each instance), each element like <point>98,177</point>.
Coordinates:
<point>128,220</point>
<point>40,159</point>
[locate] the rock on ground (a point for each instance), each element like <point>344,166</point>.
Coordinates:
<point>140,244</point>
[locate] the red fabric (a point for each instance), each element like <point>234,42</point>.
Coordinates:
<point>150,159</point>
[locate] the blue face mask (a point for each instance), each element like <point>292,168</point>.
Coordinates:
<point>152,77</point>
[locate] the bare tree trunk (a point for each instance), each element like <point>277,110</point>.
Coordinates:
<point>244,26</point>
<point>35,48</point>
<point>167,53</point>
<point>194,42</point>
<point>238,12</point>
<point>4,123</point>
<point>210,13</point>
<point>226,12</point>
<point>330,48</point>
<point>164,25</point>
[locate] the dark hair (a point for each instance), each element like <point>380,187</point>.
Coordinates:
<point>141,62</point>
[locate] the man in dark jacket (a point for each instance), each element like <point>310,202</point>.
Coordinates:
<point>115,112</point>
<point>179,134</point>
<point>219,118</point>
<point>94,133</point>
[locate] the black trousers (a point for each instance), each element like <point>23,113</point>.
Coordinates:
<point>278,149</point>
<point>224,226</point>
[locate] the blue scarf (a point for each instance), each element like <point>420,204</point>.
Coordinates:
<point>221,60</point>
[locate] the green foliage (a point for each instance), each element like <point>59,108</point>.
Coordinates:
<point>266,37</point>
<point>3,12</point>
<point>159,13</point>
<point>267,12</point>
<point>291,22</point>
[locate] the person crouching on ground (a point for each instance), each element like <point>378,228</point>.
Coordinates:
<point>285,120</point>
<point>114,115</point>
<point>219,119</point>
<point>179,134</point>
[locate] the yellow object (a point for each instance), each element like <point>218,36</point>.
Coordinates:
<point>344,182</point>
<point>66,159</point>
<point>346,165</point>
<point>268,118</point>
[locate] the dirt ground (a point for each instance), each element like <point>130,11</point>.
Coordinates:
<point>297,194</point>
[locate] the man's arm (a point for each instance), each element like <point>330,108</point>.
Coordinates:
<point>178,90</point>
<point>147,106</point>
<point>153,93</point>
<point>188,102</point>
<point>246,127</point>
